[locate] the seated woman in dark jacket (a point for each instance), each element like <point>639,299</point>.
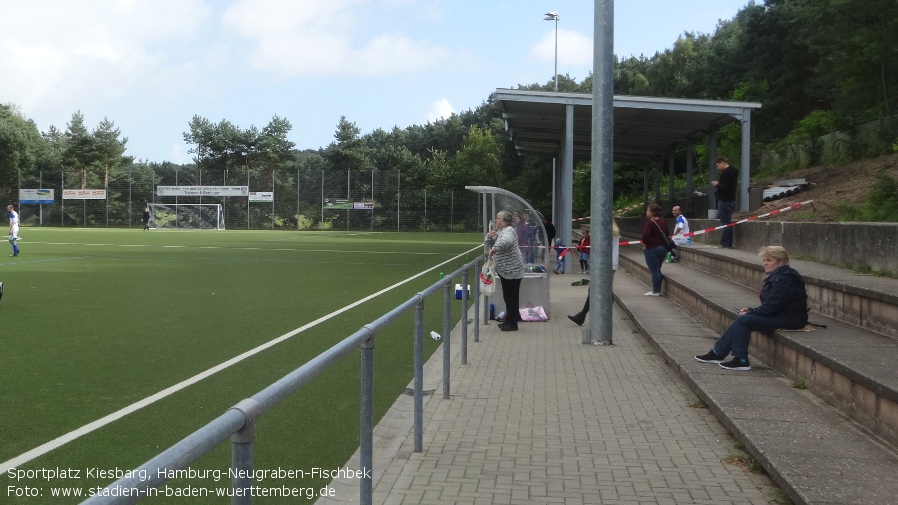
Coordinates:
<point>784,304</point>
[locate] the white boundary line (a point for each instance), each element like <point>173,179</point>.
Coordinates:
<point>134,407</point>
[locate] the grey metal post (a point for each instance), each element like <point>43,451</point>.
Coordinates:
<point>242,452</point>
<point>744,172</point>
<point>322,200</point>
<point>464,317</point>
<point>486,221</point>
<point>348,197</point>
<point>366,421</point>
<point>476,305</point>
<point>602,174</point>
<point>564,227</point>
<point>645,186</point>
<point>297,197</point>
<point>447,329</point>
<point>671,169</point>
<point>712,168</point>
<point>690,170</point>
<point>419,377</point>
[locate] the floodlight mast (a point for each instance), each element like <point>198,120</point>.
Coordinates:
<point>553,16</point>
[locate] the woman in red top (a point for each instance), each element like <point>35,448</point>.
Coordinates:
<point>653,232</point>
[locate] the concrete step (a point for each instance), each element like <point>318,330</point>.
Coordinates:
<point>812,451</point>
<point>864,300</point>
<point>852,368</point>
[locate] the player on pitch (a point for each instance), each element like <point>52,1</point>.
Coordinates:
<point>13,229</point>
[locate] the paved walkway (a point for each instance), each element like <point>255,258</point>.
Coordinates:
<point>537,417</point>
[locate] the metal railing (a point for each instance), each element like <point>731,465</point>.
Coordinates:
<point>238,422</point>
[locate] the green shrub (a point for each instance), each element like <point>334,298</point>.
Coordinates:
<point>882,200</point>
<point>848,211</point>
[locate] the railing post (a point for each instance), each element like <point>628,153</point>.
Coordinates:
<point>447,341</point>
<point>242,452</point>
<point>366,421</point>
<point>476,299</point>
<point>464,317</point>
<point>419,377</point>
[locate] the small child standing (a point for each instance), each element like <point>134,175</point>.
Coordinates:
<point>560,251</point>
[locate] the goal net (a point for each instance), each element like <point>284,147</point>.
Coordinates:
<point>189,216</point>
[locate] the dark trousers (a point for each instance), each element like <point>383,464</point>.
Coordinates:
<point>654,258</point>
<point>736,338</point>
<point>511,293</point>
<point>586,305</point>
<point>725,214</point>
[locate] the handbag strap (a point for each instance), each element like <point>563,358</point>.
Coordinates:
<point>665,237</point>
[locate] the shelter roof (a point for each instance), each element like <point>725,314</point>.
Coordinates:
<point>645,128</point>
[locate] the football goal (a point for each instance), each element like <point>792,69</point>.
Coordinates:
<point>188,216</point>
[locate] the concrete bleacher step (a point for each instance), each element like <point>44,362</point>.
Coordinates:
<point>816,454</point>
<point>851,367</point>
<point>864,300</point>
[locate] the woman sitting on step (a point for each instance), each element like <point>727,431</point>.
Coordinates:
<point>784,304</point>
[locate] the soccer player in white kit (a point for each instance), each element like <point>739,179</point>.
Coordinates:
<point>13,229</point>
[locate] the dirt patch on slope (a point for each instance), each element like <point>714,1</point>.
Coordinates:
<point>830,186</point>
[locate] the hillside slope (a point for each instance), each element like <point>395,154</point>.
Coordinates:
<point>830,186</point>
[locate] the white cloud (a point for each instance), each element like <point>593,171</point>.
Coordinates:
<point>326,37</point>
<point>574,48</point>
<point>440,109</point>
<point>71,55</point>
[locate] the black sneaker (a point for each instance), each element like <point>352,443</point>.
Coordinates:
<point>508,327</point>
<point>736,364</point>
<point>711,357</point>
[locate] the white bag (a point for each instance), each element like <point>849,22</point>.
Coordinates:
<point>488,278</point>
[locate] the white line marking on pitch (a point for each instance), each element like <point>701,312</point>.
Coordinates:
<point>115,416</point>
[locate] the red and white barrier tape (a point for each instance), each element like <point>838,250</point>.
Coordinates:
<point>734,223</point>
<point>618,211</point>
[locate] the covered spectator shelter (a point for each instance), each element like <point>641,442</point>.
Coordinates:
<point>646,130</point>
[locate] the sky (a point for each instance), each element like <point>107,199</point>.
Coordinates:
<point>150,66</point>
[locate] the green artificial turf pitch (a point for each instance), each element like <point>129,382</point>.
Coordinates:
<point>95,320</point>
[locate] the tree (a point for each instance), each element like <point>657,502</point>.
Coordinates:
<point>78,149</point>
<point>274,149</point>
<point>109,150</point>
<point>479,161</point>
<point>348,152</point>
<point>200,137</point>
<point>856,41</point>
<point>21,147</point>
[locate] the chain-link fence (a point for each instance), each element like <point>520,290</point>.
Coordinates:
<point>302,200</point>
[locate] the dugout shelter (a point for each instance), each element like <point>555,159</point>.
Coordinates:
<point>535,249</point>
